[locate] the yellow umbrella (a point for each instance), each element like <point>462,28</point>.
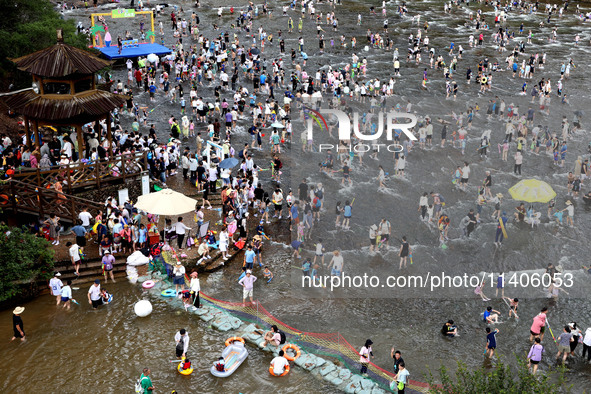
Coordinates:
<point>532,190</point>
<point>166,202</point>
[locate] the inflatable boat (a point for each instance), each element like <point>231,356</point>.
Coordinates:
<point>234,354</point>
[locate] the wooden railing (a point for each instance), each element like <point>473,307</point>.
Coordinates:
<point>27,198</point>
<point>81,175</point>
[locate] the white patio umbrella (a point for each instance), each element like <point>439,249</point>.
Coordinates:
<point>166,202</point>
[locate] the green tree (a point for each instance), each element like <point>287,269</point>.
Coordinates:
<point>24,258</point>
<point>28,26</point>
<point>500,379</point>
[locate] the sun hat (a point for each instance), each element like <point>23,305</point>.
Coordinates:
<point>178,262</point>
<point>569,202</point>
<point>57,274</point>
<point>248,271</point>
<point>18,310</point>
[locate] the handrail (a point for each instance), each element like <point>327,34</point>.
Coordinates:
<point>86,174</point>
<point>25,197</point>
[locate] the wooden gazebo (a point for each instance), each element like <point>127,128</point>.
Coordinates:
<point>64,92</point>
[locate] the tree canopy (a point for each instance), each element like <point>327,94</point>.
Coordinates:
<point>28,26</point>
<point>24,258</point>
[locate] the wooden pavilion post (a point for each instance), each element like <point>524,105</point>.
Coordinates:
<point>109,135</point>
<point>80,141</point>
<point>36,131</point>
<point>27,131</point>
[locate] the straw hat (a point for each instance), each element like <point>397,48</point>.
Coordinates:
<point>569,202</point>
<point>18,310</point>
<point>500,195</point>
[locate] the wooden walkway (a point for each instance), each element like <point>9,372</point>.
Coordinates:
<point>20,197</point>
<point>86,175</point>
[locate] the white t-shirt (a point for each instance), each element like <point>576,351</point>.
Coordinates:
<point>74,252</point>
<point>319,249</point>
<point>95,292</point>
<point>85,218</point>
<point>279,363</point>
<point>466,172</point>
<point>66,292</point>
<point>56,286</point>
<point>338,262</point>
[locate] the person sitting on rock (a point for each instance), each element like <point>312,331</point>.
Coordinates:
<point>272,337</point>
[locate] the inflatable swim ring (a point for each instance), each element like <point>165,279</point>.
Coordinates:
<point>295,348</point>
<point>148,284</point>
<point>168,293</point>
<point>283,374</point>
<point>185,372</point>
<point>230,341</point>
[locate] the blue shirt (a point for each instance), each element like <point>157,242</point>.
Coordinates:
<point>294,212</point>
<point>348,210</point>
<point>491,339</point>
<point>249,256</point>
<point>152,88</point>
<point>263,79</point>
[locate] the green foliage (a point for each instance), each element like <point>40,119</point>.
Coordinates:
<point>24,258</point>
<point>28,26</point>
<point>500,379</point>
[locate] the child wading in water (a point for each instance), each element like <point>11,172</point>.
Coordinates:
<point>348,212</point>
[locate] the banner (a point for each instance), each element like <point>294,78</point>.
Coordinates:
<point>123,13</point>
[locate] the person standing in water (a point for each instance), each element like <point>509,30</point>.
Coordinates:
<point>55,285</point>
<point>535,356</point>
<point>364,356</point>
<point>491,341</point>
<point>404,252</point>
<point>17,323</point>
<point>181,339</point>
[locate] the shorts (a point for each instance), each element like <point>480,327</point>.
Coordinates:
<point>565,349</point>
<point>97,303</point>
<point>179,280</point>
<point>179,352</point>
<point>464,180</point>
<point>249,265</point>
<point>372,241</point>
<point>534,333</point>
<point>65,299</point>
<point>385,237</point>
<point>534,362</point>
<point>246,293</point>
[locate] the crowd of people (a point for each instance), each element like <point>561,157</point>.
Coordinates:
<point>237,91</point>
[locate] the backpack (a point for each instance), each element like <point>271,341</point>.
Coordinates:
<point>156,249</point>
<point>317,202</point>
<point>138,385</point>
<point>283,339</point>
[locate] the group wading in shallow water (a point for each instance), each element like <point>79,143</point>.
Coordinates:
<point>235,87</point>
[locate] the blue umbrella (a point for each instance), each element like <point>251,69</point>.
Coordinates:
<point>229,163</point>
